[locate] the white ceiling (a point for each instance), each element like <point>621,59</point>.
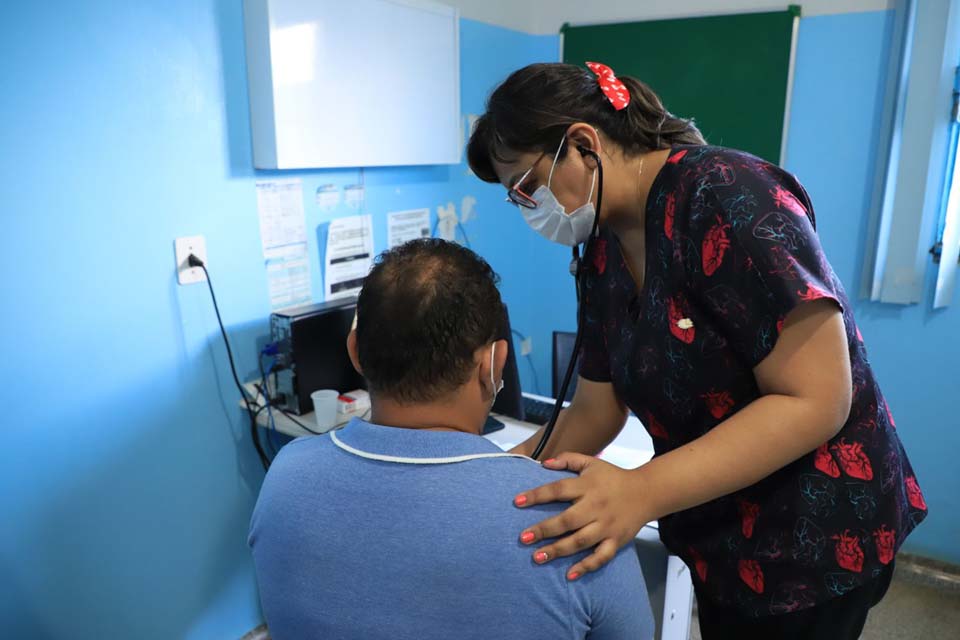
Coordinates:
<point>547,16</point>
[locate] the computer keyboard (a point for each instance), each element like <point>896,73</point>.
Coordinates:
<point>537,411</point>
<point>491,425</point>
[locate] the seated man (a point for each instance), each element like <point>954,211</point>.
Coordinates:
<point>404,527</point>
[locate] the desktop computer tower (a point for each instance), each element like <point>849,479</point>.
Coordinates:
<point>312,352</point>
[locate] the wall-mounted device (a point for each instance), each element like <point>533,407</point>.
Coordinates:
<point>373,75</point>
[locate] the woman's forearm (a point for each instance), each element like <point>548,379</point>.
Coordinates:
<point>763,437</point>
<point>575,431</point>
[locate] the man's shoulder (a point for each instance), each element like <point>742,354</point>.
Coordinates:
<point>524,473</point>
<point>533,470</point>
<point>301,448</point>
<point>297,460</point>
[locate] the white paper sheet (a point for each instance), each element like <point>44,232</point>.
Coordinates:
<point>282,223</point>
<point>354,195</point>
<point>447,221</point>
<point>403,226</point>
<point>328,197</point>
<point>283,237</point>
<point>288,277</point>
<point>467,205</point>
<point>349,256</point>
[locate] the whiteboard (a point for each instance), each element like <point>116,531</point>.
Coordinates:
<point>353,84</point>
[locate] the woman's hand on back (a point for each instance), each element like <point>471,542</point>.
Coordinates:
<point>607,512</point>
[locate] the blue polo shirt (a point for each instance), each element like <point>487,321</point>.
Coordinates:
<point>382,532</point>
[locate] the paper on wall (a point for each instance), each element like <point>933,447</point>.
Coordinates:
<point>466,209</point>
<point>403,226</point>
<point>447,221</point>
<point>328,197</point>
<point>354,195</point>
<point>349,256</point>
<point>282,223</point>
<point>283,237</point>
<point>288,277</point>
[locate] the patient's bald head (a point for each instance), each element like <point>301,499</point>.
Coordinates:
<point>425,309</point>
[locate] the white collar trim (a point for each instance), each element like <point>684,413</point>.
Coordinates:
<point>404,460</point>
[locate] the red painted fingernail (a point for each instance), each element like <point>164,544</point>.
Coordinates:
<point>527,537</point>
<point>520,500</point>
<point>540,557</point>
<point>550,461</point>
<point>573,575</point>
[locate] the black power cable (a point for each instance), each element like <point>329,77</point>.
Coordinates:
<point>194,261</point>
<point>265,390</point>
<point>297,422</point>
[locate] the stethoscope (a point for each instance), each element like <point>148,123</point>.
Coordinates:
<point>578,272</point>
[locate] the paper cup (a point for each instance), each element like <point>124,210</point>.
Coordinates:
<point>325,408</point>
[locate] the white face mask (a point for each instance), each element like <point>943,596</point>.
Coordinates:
<point>493,382</point>
<point>552,221</point>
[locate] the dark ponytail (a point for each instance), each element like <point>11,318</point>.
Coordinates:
<point>532,109</point>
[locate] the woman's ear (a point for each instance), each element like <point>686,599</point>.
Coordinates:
<point>585,136</point>
<point>352,350</point>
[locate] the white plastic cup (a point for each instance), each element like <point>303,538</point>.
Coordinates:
<point>325,408</point>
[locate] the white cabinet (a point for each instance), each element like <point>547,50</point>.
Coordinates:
<point>353,83</point>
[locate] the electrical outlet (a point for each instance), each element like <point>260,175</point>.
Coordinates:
<point>197,245</point>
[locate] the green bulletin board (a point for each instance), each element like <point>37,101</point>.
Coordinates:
<point>730,73</point>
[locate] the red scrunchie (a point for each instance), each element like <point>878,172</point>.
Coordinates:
<point>616,92</point>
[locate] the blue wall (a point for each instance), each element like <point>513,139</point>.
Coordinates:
<point>841,67</point>
<point>127,470</point>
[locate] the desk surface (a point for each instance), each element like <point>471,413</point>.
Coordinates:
<point>631,448</point>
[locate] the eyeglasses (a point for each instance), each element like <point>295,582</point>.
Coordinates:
<point>518,196</point>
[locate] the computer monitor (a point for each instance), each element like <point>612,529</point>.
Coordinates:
<point>510,400</point>
<point>563,343</point>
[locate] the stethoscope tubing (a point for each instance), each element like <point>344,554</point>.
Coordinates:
<point>578,267</point>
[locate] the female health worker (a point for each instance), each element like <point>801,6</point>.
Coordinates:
<point>711,312</point>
